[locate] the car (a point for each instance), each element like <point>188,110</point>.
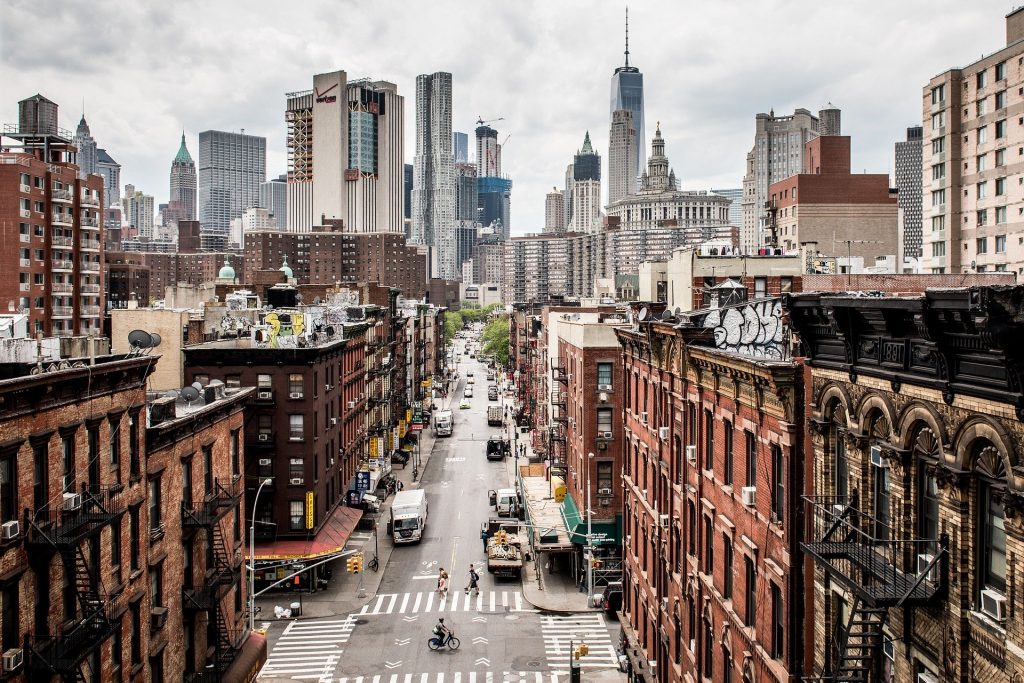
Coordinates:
<point>471,380</point>
<point>464,403</point>
<point>469,373</point>
<point>467,392</point>
<point>492,394</point>
<point>611,599</point>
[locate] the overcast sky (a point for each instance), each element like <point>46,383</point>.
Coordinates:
<point>148,70</point>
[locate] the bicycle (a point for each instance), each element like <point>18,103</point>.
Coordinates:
<point>451,641</point>
<point>374,564</point>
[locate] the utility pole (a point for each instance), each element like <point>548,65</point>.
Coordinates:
<point>849,255</point>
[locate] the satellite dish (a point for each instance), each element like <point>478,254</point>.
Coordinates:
<point>140,339</point>
<point>667,315</point>
<point>679,311</point>
<point>189,394</point>
<point>173,393</point>
<point>155,339</point>
<point>642,315</point>
<point>198,386</point>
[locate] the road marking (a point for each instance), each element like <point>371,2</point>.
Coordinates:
<point>393,665</point>
<point>425,602</point>
<point>420,577</point>
<point>405,601</point>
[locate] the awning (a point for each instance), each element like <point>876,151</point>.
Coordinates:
<point>331,538</point>
<point>249,661</point>
<point>603,532</point>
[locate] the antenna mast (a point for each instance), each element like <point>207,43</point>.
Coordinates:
<point>627,35</point>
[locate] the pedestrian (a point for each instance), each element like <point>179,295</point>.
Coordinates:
<point>400,485</point>
<point>442,582</point>
<point>483,537</point>
<point>473,579</point>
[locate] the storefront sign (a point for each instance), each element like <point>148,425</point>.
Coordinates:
<point>362,481</point>
<point>309,509</point>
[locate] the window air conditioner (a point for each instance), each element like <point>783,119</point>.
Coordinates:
<point>294,394</point>
<point>876,456</point>
<point>664,521</point>
<point>604,492</point>
<point>993,604</point>
<point>265,436</point>
<point>923,561</point>
<point>606,435</point>
<point>691,453</point>
<point>11,529</point>
<point>351,405</point>
<point>265,462</point>
<point>643,418</point>
<point>604,387</point>
<point>265,395</point>
<point>663,433</point>
<point>13,659</point>
<point>295,481</point>
<point>749,495</point>
<point>72,501</point>
<point>158,617</point>
<point>334,420</point>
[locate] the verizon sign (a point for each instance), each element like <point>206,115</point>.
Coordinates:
<point>324,97</point>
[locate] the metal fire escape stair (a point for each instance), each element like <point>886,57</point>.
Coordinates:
<point>860,644</point>
<point>224,575</point>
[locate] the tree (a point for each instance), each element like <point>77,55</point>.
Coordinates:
<point>495,339</point>
<point>453,322</point>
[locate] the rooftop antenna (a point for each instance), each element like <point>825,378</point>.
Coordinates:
<point>627,35</point>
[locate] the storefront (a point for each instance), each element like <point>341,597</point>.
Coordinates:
<point>606,539</point>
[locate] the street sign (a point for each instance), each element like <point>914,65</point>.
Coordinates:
<point>416,427</point>
<point>373,447</point>
<point>309,509</point>
<point>362,481</point>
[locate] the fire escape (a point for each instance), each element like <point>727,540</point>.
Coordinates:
<point>559,419</point>
<point>880,572</point>
<point>78,522</point>
<point>224,571</point>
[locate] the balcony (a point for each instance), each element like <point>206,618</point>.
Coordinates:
<point>859,552</point>
<point>91,266</point>
<point>558,371</point>
<point>89,200</point>
<point>90,222</point>
<point>60,218</point>
<point>58,241</point>
<point>89,289</point>
<point>93,245</point>
<point>62,311</point>
<point>61,287</point>
<point>61,264</point>
<point>79,516</point>
<point>64,653</point>
<point>62,196</point>
<point>214,507</point>
<point>90,311</point>
<point>558,398</point>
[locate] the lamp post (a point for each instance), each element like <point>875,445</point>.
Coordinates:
<point>252,556</point>
<point>590,539</point>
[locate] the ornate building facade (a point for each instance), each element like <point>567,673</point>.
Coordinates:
<point>916,525</point>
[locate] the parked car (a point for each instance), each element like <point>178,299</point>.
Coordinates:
<point>467,392</point>
<point>611,599</point>
<point>464,403</point>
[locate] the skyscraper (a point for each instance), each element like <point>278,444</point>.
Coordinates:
<point>495,191</point>
<point>909,155</point>
<point>554,211</point>
<point>460,147</point>
<point>182,204</point>
<point>622,156</point>
<point>111,172</point>
<point>488,152</point>
<point>299,203</point>
<point>586,189</point>
<point>433,195</point>
<point>138,211</point>
<point>735,195</point>
<point>231,168</point>
<point>407,191</point>
<point>87,155</point>
<point>628,94</point>
<point>274,198</point>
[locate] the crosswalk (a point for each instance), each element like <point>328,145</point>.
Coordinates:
<point>460,677</point>
<point>309,650</point>
<point>431,602</point>
<point>561,633</point>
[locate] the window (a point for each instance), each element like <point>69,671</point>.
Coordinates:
<point>760,287</point>
<point>938,120</point>
<point>982,189</point>
<point>938,197</point>
<point>709,651</point>
<point>208,479</point>
<point>727,467</point>
<point>751,459</point>
<point>264,381</point>
<point>235,464</point>
<point>1000,157</point>
<point>133,444</point>
<point>116,653</point>
<point>604,373</point>
<point>982,135</point>
<point>156,668</point>
<point>1001,239</point>
<point>982,217</point>
<point>295,385</point>
<point>68,461</point>
<point>938,223</point>
<point>709,546</point>
<point>981,162</point>
<point>40,479</point>
<point>938,145</point>
<point>156,584</point>
<point>786,284</point>
<point>840,474</point>
<point>296,514</point>
<point>778,483</point>
<point>133,538</point>
<point>709,440</point>
<point>981,106</point>
<point>982,79</point>
<point>155,520</point>
<point>1001,99</point>
<point>727,561</point>
<point>1000,186</point>
<point>604,421</point>
<point>296,471</point>
<point>136,633</point>
<point>1001,71</point>
<point>115,447</point>
<point>939,94</point>
<point>115,550</point>
<point>1001,129</point>
<point>992,535</point>
<point>1000,217</point>
<point>691,528</point>
<point>264,427</point>
<point>938,171</point>
<point>604,476</point>
<point>778,634</point>
<point>295,428</point>
<point>187,495</point>
<point>8,488</point>
<point>11,632</point>
<point>750,586</point>
<point>938,248</point>
<point>981,245</point>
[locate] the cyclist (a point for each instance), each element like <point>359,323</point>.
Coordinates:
<point>441,632</point>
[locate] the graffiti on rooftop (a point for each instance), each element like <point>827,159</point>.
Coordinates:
<point>753,329</point>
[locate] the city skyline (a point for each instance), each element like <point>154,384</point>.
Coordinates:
<point>714,116</point>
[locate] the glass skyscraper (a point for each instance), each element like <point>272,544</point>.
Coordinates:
<point>232,166</point>
<point>628,93</point>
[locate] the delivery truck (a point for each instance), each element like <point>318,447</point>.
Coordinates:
<point>494,415</point>
<point>443,423</point>
<point>408,516</point>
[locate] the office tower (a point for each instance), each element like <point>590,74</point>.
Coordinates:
<point>778,153</point>
<point>466,192</point>
<point>622,156</point>
<point>495,190</point>
<point>628,94</point>
<point>568,195</point>
<point>488,152</point>
<point>111,172</point>
<point>87,154</point>
<point>407,191</point>
<point>52,221</point>
<point>274,198</point>
<point>138,212</point>
<point>231,168</point>
<point>433,194</point>
<point>554,211</point>
<point>586,189</point>
<point>182,204</point>
<point>909,155</point>
<point>735,195</point>
<point>299,202</point>
<point>460,147</point>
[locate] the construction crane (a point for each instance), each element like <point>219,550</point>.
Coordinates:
<point>480,121</point>
<point>505,141</point>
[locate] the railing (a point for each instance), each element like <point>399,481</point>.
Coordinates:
<point>61,241</point>
<point>60,264</point>
<point>863,553</point>
<point>89,200</point>
<point>75,519</point>
<point>89,289</point>
<point>62,196</point>
<point>65,218</point>
<point>90,266</point>
<point>62,311</point>
<point>90,244</point>
<point>62,654</point>
<point>90,310</point>
<point>212,508</point>
<point>61,288</point>
<point>90,222</point>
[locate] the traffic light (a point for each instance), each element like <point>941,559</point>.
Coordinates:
<point>596,564</point>
<point>350,565</point>
<point>359,563</point>
<point>582,651</point>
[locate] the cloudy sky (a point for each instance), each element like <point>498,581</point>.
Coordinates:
<point>147,70</point>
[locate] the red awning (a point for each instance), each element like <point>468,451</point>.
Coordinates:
<point>249,661</point>
<point>331,538</point>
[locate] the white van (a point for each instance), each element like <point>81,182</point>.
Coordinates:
<point>505,502</point>
<point>409,516</point>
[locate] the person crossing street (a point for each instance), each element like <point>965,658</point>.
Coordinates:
<point>473,579</point>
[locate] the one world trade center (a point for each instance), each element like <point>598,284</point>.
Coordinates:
<point>628,94</point>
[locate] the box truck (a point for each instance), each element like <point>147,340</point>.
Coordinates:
<point>408,516</point>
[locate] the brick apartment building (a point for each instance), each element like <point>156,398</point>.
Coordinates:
<point>168,269</point>
<point>51,221</point>
<point>126,279</point>
<point>94,544</point>
<point>845,214</point>
<point>713,582</point>
<point>915,523</point>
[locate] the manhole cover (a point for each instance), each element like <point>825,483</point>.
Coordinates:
<point>359,622</point>
<point>533,664</point>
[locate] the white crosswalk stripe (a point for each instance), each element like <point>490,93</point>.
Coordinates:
<point>309,650</point>
<point>563,632</point>
<point>456,601</point>
<point>461,677</point>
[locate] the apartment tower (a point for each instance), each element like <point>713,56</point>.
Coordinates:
<point>433,195</point>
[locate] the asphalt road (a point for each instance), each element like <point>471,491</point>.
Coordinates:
<point>502,637</point>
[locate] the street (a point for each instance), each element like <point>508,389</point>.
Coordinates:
<point>503,637</point>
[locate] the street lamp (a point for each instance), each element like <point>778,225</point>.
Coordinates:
<point>590,539</point>
<point>252,555</point>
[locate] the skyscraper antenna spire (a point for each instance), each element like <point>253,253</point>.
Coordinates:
<point>627,35</point>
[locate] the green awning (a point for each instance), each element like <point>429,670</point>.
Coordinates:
<point>603,532</point>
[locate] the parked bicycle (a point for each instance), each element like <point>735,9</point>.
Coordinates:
<point>374,564</point>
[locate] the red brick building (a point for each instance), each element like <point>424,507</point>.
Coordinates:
<point>126,279</point>
<point>713,581</point>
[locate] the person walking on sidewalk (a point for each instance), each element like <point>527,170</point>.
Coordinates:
<point>473,579</point>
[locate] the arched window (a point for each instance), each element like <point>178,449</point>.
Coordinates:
<point>878,431</point>
<point>837,451</point>
<point>926,452</point>
<point>991,482</point>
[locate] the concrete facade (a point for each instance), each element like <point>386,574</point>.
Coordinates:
<point>622,156</point>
